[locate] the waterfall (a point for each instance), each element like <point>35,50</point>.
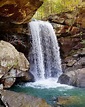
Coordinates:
<point>44,59</point>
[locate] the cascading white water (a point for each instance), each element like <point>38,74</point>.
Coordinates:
<point>45,59</point>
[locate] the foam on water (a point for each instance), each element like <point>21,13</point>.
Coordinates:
<point>48,83</point>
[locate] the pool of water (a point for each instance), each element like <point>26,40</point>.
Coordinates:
<point>52,91</point>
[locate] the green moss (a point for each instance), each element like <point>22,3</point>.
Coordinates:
<point>15,64</point>
<point>9,65</point>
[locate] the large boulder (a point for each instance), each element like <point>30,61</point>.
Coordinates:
<point>75,78</point>
<point>13,64</point>
<point>13,99</point>
<point>18,11</point>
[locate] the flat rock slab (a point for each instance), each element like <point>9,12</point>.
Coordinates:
<point>13,99</point>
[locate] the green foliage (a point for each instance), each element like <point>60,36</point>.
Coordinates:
<point>56,6</point>
<point>83,42</point>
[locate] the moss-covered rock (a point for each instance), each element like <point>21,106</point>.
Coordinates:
<point>67,101</point>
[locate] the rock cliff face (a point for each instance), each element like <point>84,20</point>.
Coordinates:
<point>70,30</point>
<point>18,11</point>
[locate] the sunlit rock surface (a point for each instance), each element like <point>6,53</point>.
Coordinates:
<point>18,11</point>
<point>13,99</point>
<point>13,64</point>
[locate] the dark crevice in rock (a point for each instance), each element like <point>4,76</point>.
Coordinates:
<point>20,41</point>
